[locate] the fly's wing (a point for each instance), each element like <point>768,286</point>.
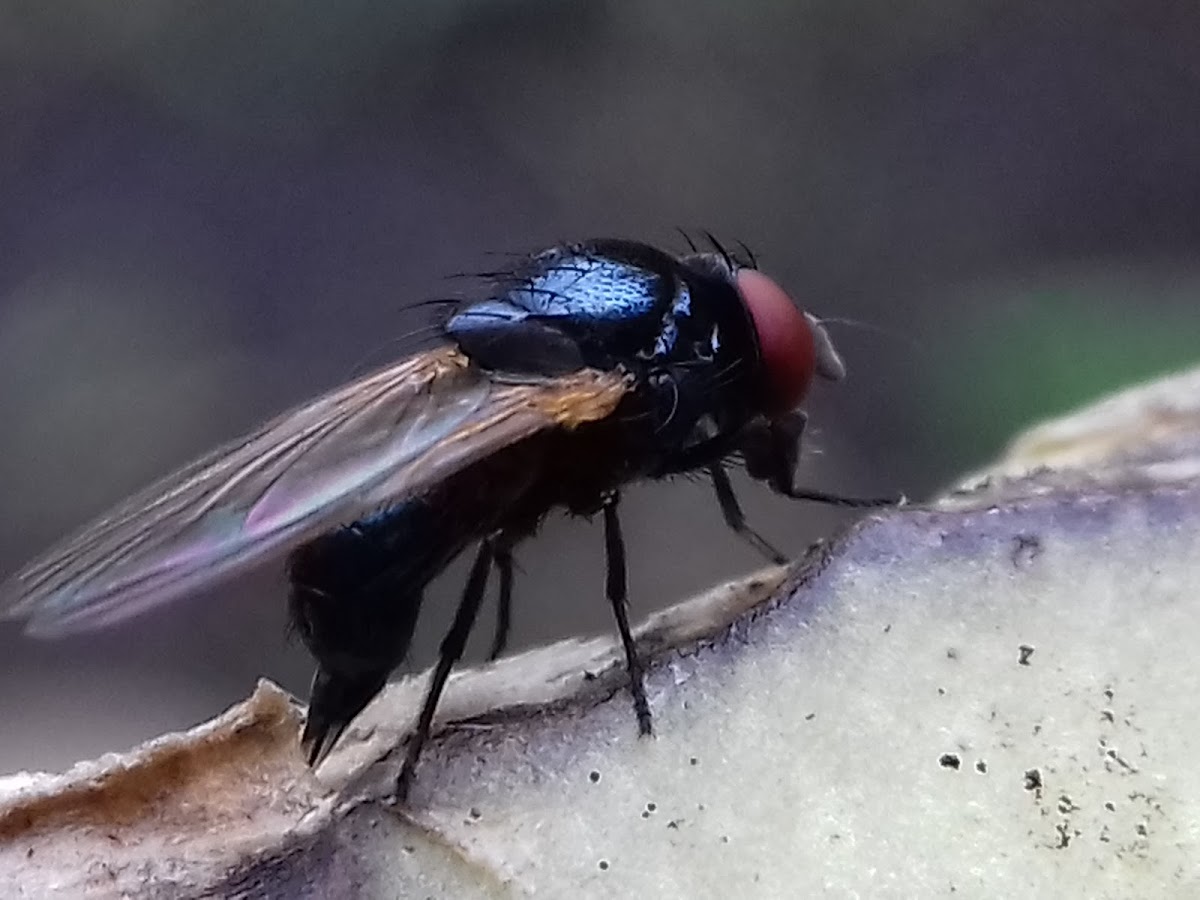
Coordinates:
<point>383,438</point>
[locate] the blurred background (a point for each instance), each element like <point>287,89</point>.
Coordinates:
<point>211,211</point>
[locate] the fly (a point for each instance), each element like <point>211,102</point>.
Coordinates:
<point>588,367</point>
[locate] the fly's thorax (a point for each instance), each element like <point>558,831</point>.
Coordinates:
<point>680,326</point>
<point>597,304</point>
<point>607,304</point>
<point>705,371</point>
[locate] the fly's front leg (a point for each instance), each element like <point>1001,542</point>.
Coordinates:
<point>771,450</point>
<point>616,589</point>
<point>840,500</point>
<point>736,519</point>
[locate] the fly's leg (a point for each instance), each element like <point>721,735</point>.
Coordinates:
<point>503,558</point>
<point>736,519</point>
<point>451,651</point>
<point>616,589</point>
<point>771,450</point>
<point>796,493</point>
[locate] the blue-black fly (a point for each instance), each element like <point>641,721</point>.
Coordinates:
<point>588,367</point>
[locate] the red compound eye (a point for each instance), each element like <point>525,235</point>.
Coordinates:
<point>785,339</point>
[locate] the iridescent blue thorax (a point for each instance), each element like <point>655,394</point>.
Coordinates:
<point>603,304</point>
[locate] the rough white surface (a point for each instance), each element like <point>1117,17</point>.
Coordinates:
<point>877,735</point>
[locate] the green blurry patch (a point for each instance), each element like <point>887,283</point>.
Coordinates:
<point>1012,363</point>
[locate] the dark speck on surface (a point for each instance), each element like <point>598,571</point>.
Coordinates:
<point>1026,548</point>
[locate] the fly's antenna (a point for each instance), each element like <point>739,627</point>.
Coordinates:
<point>860,325</point>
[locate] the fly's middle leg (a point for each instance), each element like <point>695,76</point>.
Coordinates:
<point>503,558</point>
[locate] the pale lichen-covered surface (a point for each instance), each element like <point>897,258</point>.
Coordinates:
<point>993,696</point>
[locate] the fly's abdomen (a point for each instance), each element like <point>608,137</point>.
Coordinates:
<point>355,596</point>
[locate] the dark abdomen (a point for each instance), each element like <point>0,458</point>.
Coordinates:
<point>355,597</point>
<point>356,592</point>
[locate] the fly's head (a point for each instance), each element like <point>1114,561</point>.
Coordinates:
<point>775,351</point>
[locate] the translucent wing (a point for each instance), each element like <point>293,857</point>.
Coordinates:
<point>383,438</point>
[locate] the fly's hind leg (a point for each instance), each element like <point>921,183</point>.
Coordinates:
<point>451,652</point>
<point>616,589</point>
